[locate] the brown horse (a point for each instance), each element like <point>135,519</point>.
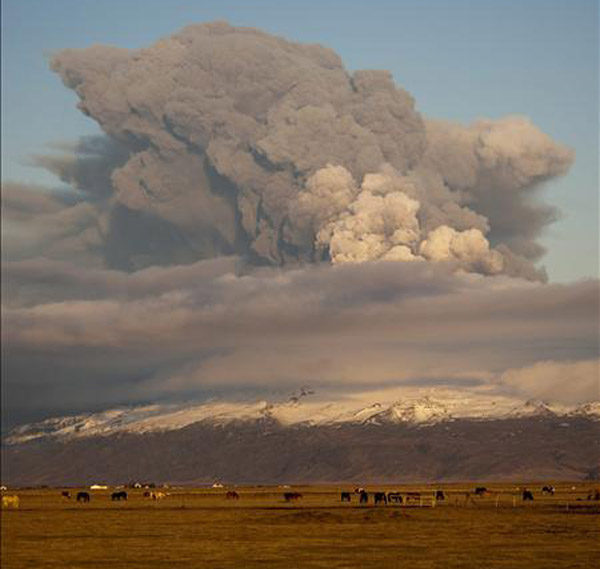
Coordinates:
<point>232,495</point>
<point>395,497</point>
<point>292,496</point>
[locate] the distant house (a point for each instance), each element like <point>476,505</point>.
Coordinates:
<point>217,485</point>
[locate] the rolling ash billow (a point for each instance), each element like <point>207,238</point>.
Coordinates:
<point>226,140</point>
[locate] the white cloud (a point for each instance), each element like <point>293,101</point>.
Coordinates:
<point>568,381</point>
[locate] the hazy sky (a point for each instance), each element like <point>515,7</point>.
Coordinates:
<point>461,60</point>
<point>259,215</point>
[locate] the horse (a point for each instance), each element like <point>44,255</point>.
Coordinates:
<point>439,495</point>
<point>232,495</point>
<point>481,491</point>
<point>345,497</point>
<point>527,494</point>
<point>10,502</point>
<point>66,494</point>
<point>292,496</point>
<point>380,497</point>
<point>83,497</point>
<point>364,497</point>
<point>395,497</point>
<point>118,496</point>
<point>548,490</point>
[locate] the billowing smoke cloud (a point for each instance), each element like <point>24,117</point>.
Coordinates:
<point>379,221</point>
<point>235,141</point>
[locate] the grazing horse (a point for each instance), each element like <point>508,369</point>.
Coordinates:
<point>345,497</point>
<point>548,490</point>
<point>527,494</point>
<point>157,495</point>
<point>481,491</point>
<point>292,496</point>
<point>364,497</point>
<point>118,496</point>
<point>66,494</point>
<point>395,497</point>
<point>232,495</point>
<point>83,497</point>
<point>10,502</point>
<point>380,497</point>
<point>439,495</point>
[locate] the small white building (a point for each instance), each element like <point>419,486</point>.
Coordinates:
<point>98,487</point>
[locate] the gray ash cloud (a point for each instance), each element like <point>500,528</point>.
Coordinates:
<point>232,141</point>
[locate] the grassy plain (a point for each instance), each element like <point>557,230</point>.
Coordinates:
<point>200,528</point>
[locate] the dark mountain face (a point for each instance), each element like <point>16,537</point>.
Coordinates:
<point>264,452</point>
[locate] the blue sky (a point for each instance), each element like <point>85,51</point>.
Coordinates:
<point>461,60</point>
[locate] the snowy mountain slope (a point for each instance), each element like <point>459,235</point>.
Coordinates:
<point>417,407</point>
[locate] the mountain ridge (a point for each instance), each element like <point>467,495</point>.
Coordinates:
<point>418,409</point>
<point>422,437</point>
<point>265,452</point>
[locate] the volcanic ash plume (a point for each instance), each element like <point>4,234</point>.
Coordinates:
<point>245,143</point>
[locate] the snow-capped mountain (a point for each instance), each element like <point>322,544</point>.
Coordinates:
<point>390,435</point>
<point>412,407</point>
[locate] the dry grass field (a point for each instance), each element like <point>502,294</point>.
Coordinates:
<point>201,528</point>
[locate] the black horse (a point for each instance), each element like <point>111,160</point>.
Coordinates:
<point>118,496</point>
<point>380,497</point>
<point>83,497</point>
<point>364,497</point>
<point>527,495</point>
<point>439,495</point>
<point>345,497</point>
